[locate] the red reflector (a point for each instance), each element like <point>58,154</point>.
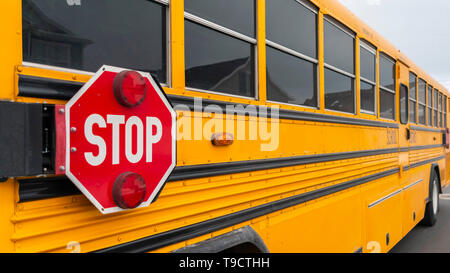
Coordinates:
<point>130,88</point>
<point>129,190</point>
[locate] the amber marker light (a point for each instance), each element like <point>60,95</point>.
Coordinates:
<point>222,139</point>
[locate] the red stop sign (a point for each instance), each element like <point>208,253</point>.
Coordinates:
<point>120,139</point>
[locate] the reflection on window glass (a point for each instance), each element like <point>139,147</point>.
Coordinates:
<point>430,117</point>
<point>89,35</point>
<point>387,73</point>
<point>238,15</point>
<point>367,97</point>
<point>339,48</point>
<point>422,91</point>
<point>387,100</point>
<point>290,79</point>
<point>282,16</point>
<point>422,117</point>
<point>339,92</point>
<point>218,62</point>
<point>412,111</point>
<point>403,104</point>
<point>435,105</point>
<point>368,64</point>
<point>412,85</point>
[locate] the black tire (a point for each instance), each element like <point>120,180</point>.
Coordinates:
<point>432,207</point>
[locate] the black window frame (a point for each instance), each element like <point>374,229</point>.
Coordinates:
<point>337,70</point>
<point>296,54</point>
<point>235,35</point>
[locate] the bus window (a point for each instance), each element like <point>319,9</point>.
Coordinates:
<point>445,112</point>
<point>435,102</point>
<point>403,104</point>
<point>339,67</point>
<point>440,111</point>
<point>422,90</point>
<point>220,46</point>
<point>412,98</point>
<point>387,87</point>
<point>430,105</point>
<point>291,56</point>
<point>368,78</point>
<point>88,35</point>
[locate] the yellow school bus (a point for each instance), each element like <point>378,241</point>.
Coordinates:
<point>354,155</point>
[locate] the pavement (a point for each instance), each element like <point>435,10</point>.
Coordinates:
<point>434,239</point>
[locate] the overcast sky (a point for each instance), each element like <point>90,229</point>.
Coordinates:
<point>420,29</point>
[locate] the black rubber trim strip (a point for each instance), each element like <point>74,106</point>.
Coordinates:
<point>30,86</point>
<point>424,147</point>
<point>421,163</point>
<point>283,113</point>
<point>417,128</point>
<point>37,87</point>
<point>415,148</point>
<point>40,189</point>
<point>199,171</point>
<point>192,231</point>
<point>44,188</point>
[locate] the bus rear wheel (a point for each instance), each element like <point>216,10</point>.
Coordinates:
<point>432,207</point>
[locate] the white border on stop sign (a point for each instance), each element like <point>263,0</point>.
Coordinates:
<point>78,184</point>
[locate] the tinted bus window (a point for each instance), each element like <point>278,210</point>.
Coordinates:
<point>291,56</point>
<point>387,88</point>
<point>290,79</point>
<point>422,101</point>
<point>403,104</point>
<point>368,77</point>
<point>340,67</point>
<point>430,105</point>
<point>237,15</point>
<point>412,98</point>
<point>218,62</point>
<point>281,16</point>
<point>89,35</point>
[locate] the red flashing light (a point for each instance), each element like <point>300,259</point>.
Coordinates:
<point>130,88</point>
<point>129,190</point>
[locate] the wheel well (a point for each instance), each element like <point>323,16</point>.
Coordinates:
<point>436,169</point>
<point>244,248</point>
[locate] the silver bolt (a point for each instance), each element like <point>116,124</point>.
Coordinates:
<point>61,168</point>
<point>73,129</point>
<point>45,169</point>
<point>61,111</point>
<point>73,149</point>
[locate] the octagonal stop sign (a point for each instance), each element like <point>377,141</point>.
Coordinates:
<point>120,139</point>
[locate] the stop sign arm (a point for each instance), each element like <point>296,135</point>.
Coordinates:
<point>60,135</point>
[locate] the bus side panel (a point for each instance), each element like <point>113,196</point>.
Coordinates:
<point>383,214</point>
<point>415,192</point>
<point>330,224</point>
<point>6,214</point>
